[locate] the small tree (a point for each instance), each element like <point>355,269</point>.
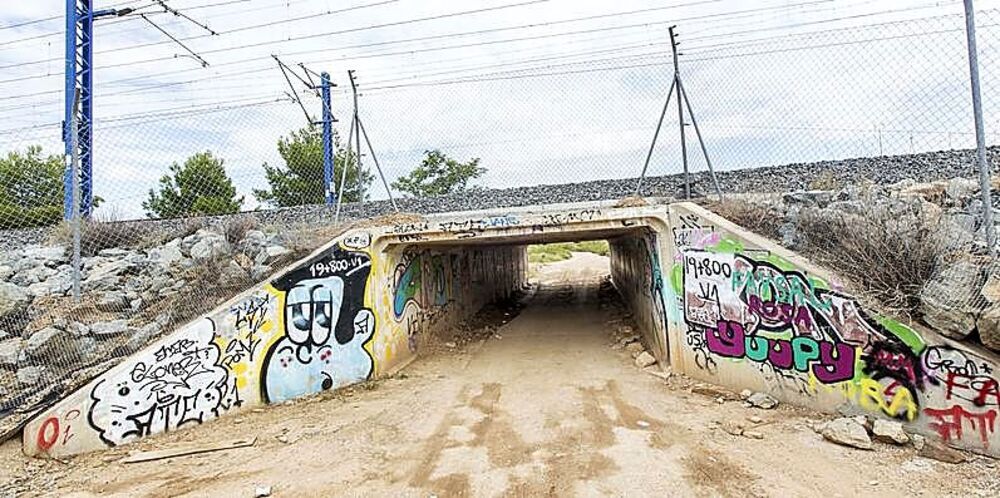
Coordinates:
<point>301,180</point>
<point>439,174</point>
<point>199,187</point>
<point>31,189</point>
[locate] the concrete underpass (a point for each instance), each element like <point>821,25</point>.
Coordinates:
<point>547,403</point>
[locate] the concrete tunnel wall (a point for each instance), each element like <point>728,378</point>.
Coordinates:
<point>351,311</point>
<point>637,274</point>
<point>746,313</point>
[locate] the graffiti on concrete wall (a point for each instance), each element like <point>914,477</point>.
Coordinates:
<point>407,285</point>
<point>326,327</point>
<point>305,332</point>
<point>750,307</point>
<point>177,384</point>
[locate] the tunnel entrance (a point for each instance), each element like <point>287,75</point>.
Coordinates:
<point>568,280</point>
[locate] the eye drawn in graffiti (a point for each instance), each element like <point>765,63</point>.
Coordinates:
<point>177,384</point>
<point>407,284</point>
<point>326,328</point>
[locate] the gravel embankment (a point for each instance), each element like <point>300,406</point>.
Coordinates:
<point>921,167</point>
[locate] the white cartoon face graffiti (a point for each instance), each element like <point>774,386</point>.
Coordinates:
<point>326,329</point>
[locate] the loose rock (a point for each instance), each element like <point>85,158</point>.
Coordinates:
<point>939,451</point>
<point>847,432</point>
<point>762,400</point>
<point>889,431</point>
<point>644,360</point>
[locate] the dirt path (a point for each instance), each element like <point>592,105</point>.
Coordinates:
<point>546,407</point>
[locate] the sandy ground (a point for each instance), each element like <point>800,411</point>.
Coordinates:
<point>545,407</point>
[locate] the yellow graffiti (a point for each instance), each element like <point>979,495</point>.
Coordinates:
<point>871,396</point>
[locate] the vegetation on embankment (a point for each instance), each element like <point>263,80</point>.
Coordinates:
<point>561,251</point>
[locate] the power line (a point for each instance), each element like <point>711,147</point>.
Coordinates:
<point>811,23</point>
<point>268,67</point>
<point>477,44</point>
<point>834,44</point>
<point>466,33</point>
<point>698,49</point>
<point>306,37</point>
<point>387,42</point>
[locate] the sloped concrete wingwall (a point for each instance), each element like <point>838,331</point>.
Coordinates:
<point>351,311</point>
<point>637,273</point>
<point>747,314</point>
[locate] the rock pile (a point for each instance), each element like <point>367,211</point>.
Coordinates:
<point>130,297</point>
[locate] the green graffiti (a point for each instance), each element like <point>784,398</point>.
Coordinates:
<point>726,246</point>
<point>777,287</point>
<point>904,333</point>
<point>677,278</point>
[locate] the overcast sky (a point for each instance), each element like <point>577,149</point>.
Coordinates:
<point>543,91</point>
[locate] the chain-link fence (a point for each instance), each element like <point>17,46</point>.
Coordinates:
<point>203,186</point>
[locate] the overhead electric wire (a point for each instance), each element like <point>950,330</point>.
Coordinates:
<point>269,67</point>
<point>811,23</point>
<point>388,42</point>
<point>835,44</point>
<point>315,35</point>
<point>477,32</point>
<point>757,41</point>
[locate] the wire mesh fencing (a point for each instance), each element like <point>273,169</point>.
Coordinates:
<point>202,188</point>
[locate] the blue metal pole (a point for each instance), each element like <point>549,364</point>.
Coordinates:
<point>71,20</point>
<point>86,109</point>
<point>328,185</point>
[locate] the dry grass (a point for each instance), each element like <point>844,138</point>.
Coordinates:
<point>757,216</point>
<point>886,255</point>
<point>631,201</point>
<point>236,228</point>
<point>99,233</point>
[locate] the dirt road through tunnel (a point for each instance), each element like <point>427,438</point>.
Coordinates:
<point>544,407</point>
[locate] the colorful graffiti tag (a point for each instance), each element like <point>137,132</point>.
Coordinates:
<point>752,307</point>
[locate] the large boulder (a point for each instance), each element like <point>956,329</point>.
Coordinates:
<point>989,327</point>
<point>13,299</point>
<point>31,375</point>
<point>46,343</point>
<point>10,352</point>
<point>168,255</point>
<point>847,432</point>
<point>209,248</point>
<point>111,301</point>
<point>46,255</point>
<point>960,190</point>
<point>108,329</point>
<point>950,302</point>
<point>106,276</point>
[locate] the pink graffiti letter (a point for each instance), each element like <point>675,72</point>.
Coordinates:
<point>836,363</point>
<point>727,340</point>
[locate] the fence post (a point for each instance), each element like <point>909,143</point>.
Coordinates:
<point>977,110</point>
<point>328,186</point>
<point>74,170</point>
